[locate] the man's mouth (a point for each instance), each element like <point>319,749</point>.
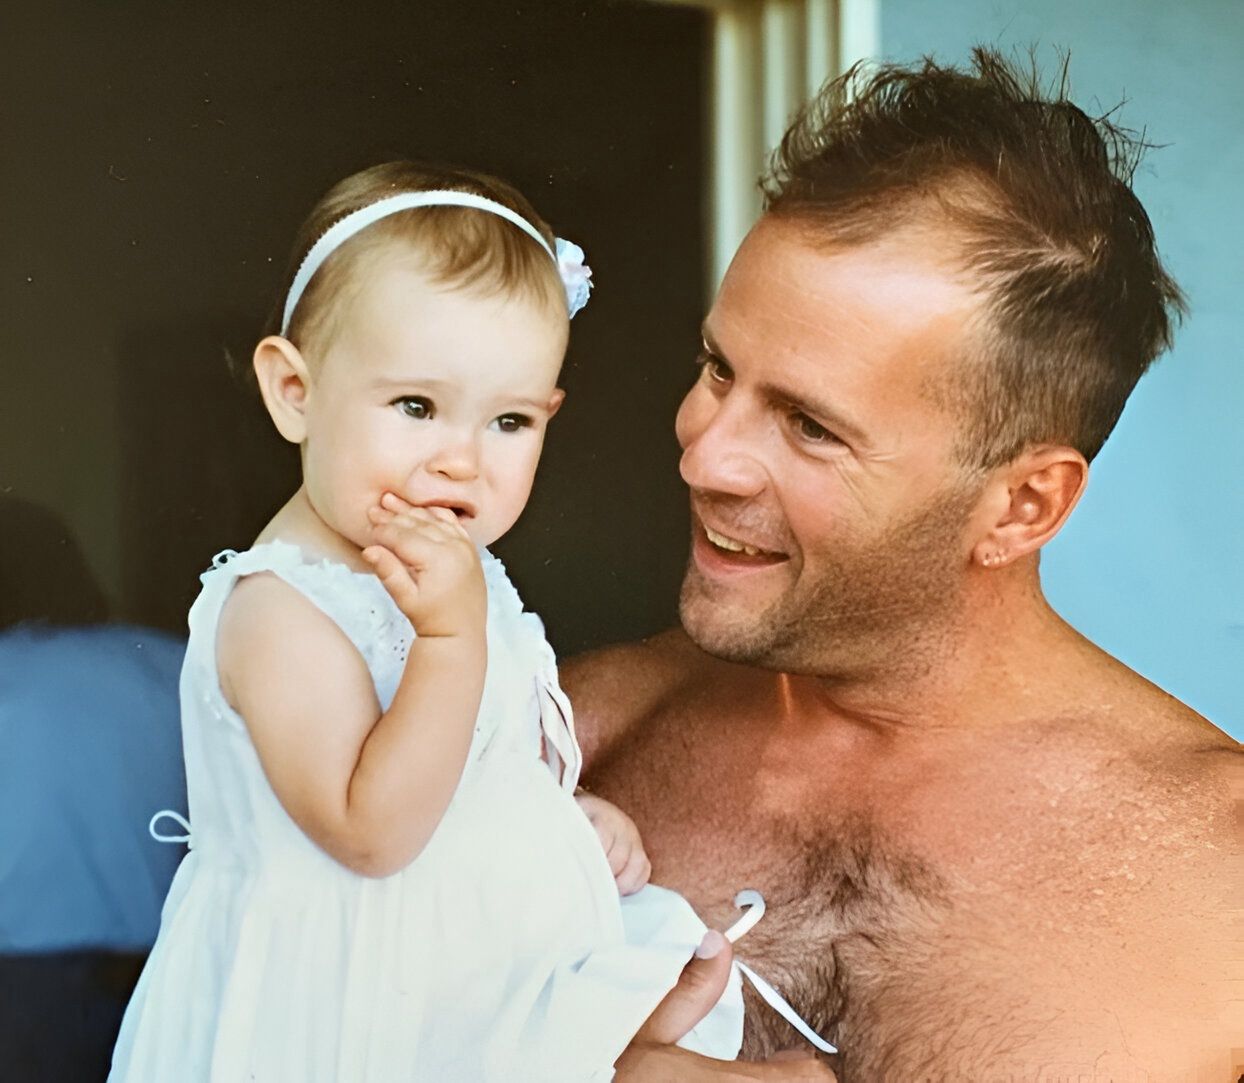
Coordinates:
<point>732,545</point>
<point>737,550</point>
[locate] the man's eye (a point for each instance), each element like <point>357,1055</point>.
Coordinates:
<point>713,368</point>
<point>415,406</point>
<point>813,431</point>
<point>513,422</point>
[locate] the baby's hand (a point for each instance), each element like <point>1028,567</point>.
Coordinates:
<point>620,838</point>
<point>429,566</point>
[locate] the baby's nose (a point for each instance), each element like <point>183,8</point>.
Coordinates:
<point>458,461</point>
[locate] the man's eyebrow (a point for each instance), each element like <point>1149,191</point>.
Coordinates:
<point>819,411</point>
<point>710,344</point>
<point>777,395</point>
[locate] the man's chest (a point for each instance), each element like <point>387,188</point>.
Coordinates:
<point>913,898</point>
<point>848,906</point>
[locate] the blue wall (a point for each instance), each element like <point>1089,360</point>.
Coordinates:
<point>1151,565</point>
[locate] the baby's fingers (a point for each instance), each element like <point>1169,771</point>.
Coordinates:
<point>635,872</point>
<point>444,515</point>
<point>432,523</point>
<point>413,542</point>
<point>444,520</point>
<point>394,575</point>
<point>395,503</point>
<point>617,850</point>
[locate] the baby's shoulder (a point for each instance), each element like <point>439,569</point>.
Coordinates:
<point>270,609</point>
<point>281,577</point>
<point>270,631</point>
<point>262,603</point>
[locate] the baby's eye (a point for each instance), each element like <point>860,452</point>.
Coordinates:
<point>415,406</point>
<point>513,422</point>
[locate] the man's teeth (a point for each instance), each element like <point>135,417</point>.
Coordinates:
<point>722,542</point>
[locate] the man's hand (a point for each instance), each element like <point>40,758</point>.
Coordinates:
<point>621,842</point>
<point>652,1056</point>
<point>429,565</point>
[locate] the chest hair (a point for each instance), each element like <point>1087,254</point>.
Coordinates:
<point>850,914</point>
<point>853,913</point>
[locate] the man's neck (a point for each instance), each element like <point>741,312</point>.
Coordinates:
<point>990,662</point>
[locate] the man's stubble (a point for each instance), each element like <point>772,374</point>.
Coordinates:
<point>878,604</point>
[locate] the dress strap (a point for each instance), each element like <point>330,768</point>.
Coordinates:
<point>557,724</point>
<point>753,903</point>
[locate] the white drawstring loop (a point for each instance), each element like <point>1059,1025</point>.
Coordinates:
<point>185,824</point>
<point>754,904</point>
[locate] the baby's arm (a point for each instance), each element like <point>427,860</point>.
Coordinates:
<point>620,838</point>
<point>368,787</point>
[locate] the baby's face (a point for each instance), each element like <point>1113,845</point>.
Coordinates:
<point>436,394</point>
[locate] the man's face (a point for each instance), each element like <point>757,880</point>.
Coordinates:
<point>829,518</point>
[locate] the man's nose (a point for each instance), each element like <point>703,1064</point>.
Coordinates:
<point>457,459</point>
<point>720,447</point>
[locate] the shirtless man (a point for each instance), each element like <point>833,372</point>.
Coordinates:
<point>990,850</point>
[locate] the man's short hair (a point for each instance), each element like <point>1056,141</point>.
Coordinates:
<point>1041,215</point>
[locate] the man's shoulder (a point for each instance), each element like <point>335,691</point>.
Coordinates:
<point>1106,826</point>
<point>1082,702</point>
<point>615,688</point>
<point>1185,745</point>
<point>1156,732</point>
<point>671,650</point>
<point>1192,771</point>
<point>1133,766</point>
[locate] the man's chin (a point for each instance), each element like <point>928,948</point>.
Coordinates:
<point>731,633</point>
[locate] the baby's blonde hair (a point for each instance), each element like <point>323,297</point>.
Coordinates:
<point>455,246</point>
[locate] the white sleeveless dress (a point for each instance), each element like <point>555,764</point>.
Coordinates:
<point>501,953</point>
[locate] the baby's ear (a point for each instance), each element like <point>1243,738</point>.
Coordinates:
<point>556,400</point>
<point>285,383</point>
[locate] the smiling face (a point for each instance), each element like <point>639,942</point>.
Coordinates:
<point>829,516</point>
<point>437,394</point>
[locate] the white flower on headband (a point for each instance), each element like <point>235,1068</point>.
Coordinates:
<point>576,275</point>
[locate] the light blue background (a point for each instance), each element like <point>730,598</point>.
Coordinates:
<point>1151,565</point>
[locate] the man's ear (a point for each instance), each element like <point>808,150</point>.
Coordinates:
<point>1030,500</point>
<point>285,384</point>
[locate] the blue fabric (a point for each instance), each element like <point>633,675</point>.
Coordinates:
<point>90,747</point>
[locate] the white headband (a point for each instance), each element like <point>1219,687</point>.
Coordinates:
<point>576,276</point>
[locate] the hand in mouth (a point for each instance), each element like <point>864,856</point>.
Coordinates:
<point>462,511</point>
<point>393,502</point>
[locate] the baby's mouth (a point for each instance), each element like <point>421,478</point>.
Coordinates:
<point>462,511</point>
